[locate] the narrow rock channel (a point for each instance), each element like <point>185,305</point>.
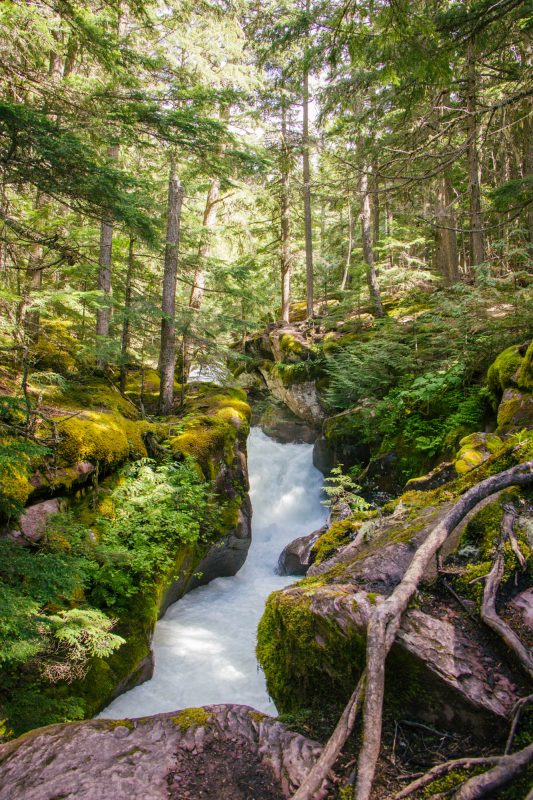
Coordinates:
<point>204,646</point>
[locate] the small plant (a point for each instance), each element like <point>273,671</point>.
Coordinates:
<point>343,491</point>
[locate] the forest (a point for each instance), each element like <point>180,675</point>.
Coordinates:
<point>274,258</point>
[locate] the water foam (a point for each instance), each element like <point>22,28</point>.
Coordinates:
<point>204,646</point>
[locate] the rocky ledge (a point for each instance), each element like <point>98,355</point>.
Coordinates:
<point>446,667</point>
<point>222,752</point>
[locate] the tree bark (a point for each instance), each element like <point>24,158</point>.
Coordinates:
<point>346,276</point>
<point>308,224</point>
<point>446,260</point>
<point>32,320</point>
<point>208,223</point>
<point>465,763</point>
<point>477,249</point>
<point>368,254</point>
<point>125,340</point>
<point>167,353</point>
<point>103,314</point>
<point>285,253</point>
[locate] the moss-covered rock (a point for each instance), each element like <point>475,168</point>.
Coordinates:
<point>474,450</point>
<point>515,411</point>
<point>513,367</point>
<point>312,634</point>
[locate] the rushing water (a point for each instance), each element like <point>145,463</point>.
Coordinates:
<point>205,644</point>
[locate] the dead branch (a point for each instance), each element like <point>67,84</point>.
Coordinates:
<point>488,612</point>
<point>504,772</point>
<point>313,782</point>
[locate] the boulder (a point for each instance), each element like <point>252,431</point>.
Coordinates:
<point>32,522</point>
<point>224,752</point>
<point>297,556</point>
<point>515,411</point>
<point>300,397</point>
<point>474,450</point>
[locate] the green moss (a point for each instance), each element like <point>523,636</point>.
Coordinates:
<point>515,411</point>
<point>15,488</point>
<point>198,717</point>
<point>100,437</point>
<point>525,374</point>
<point>483,533</point>
<point>299,667</point>
<point>111,724</point>
<point>257,716</point>
<point>290,344</point>
<point>337,535</point>
<point>503,372</point>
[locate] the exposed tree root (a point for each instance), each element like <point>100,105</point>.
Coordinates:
<point>488,612</point>
<point>444,769</point>
<point>487,783</point>
<point>517,713</point>
<point>505,769</point>
<point>382,628</point>
<point>330,753</point>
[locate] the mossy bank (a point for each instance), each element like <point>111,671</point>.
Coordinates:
<point>146,509</point>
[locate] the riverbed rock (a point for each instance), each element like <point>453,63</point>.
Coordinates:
<point>222,752</point>
<point>297,556</point>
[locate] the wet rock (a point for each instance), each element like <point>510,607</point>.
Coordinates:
<point>224,752</point>
<point>296,557</point>
<point>278,422</point>
<point>323,456</point>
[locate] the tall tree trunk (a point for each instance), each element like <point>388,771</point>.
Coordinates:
<point>375,205</point>
<point>308,226</point>
<point>125,340</point>
<point>527,166</point>
<point>346,276</point>
<point>477,250</point>
<point>285,254</point>
<point>368,253</point>
<point>103,314</point>
<point>209,221</point>
<point>446,260</point>
<point>34,283</point>
<point>167,353</point>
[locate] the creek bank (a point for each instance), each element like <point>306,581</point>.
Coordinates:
<point>93,421</point>
<point>445,668</point>
<point>221,752</point>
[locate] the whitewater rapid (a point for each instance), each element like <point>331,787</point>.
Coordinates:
<point>204,646</point>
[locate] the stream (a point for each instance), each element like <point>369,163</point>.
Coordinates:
<point>204,646</point>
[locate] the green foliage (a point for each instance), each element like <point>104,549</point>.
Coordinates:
<point>56,600</point>
<point>341,490</point>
